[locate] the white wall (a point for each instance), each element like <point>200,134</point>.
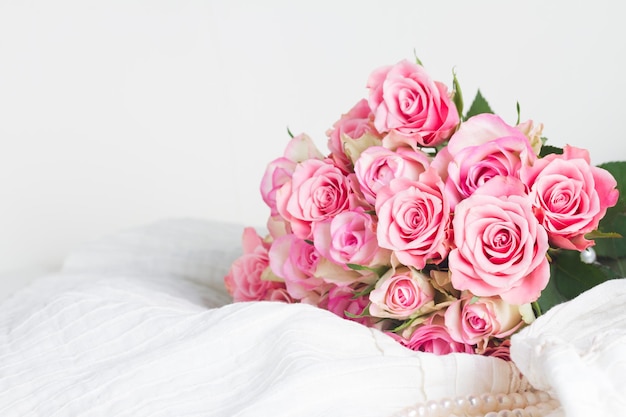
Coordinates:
<point>117,113</point>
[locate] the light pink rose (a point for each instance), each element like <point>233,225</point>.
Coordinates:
<point>342,300</point>
<point>533,132</point>
<point>277,173</point>
<point>350,238</point>
<point>243,280</point>
<point>414,219</point>
<point>407,102</point>
<point>300,148</point>
<point>432,336</point>
<point>401,294</point>
<point>356,126</point>
<point>500,350</point>
<point>500,249</point>
<point>377,166</point>
<point>476,321</point>
<point>483,147</point>
<point>570,196</point>
<point>279,294</point>
<point>317,191</point>
<point>295,261</point>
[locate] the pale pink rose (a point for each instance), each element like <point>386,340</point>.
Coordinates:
<point>483,147</point>
<point>570,196</point>
<point>432,336</point>
<point>317,191</point>
<point>354,129</point>
<point>279,294</point>
<point>377,166</point>
<point>295,261</point>
<point>300,148</point>
<point>407,102</point>
<point>342,302</point>
<point>500,249</point>
<point>533,132</point>
<point>477,320</point>
<point>336,274</point>
<point>243,280</point>
<point>277,173</point>
<point>277,226</point>
<point>500,350</point>
<point>401,294</point>
<point>414,219</point>
<point>350,238</point>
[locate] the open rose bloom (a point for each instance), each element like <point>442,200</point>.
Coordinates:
<point>433,227</point>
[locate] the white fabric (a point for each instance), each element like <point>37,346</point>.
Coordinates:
<point>577,351</point>
<point>131,327</point>
<point>135,325</point>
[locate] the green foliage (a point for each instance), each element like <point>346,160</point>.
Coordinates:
<point>479,106</point>
<point>612,252</point>
<point>457,94</point>
<point>548,149</point>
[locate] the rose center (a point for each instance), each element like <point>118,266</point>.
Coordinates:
<point>407,101</point>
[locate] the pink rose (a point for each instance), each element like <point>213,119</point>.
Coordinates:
<point>476,321</point>
<point>279,294</point>
<point>350,238</point>
<point>407,102</point>
<point>351,134</point>
<point>401,294</point>
<point>413,219</point>
<point>244,279</point>
<point>317,191</point>
<point>484,147</point>
<point>570,196</point>
<point>295,261</point>
<point>500,350</point>
<point>277,173</point>
<point>300,148</point>
<point>342,302</point>
<point>377,166</point>
<point>500,249</point>
<point>432,336</point>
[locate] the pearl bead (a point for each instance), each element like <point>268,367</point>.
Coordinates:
<point>515,404</point>
<point>588,256</point>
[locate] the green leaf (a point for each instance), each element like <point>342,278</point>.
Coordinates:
<point>363,292</point>
<point>612,252</point>
<point>518,112</point>
<point>417,60</point>
<point>457,95</point>
<point>549,149</point>
<point>289,133</point>
<point>479,106</point>
<point>380,271</point>
<point>569,277</point>
<point>596,234</point>
<point>550,296</point>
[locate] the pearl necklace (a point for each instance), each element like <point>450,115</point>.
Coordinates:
<point>517,404</point>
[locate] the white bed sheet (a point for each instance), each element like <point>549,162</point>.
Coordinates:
<point>139,324</point>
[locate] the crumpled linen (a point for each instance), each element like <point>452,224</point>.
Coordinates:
<point>577,352</point>
<point>139,324</point>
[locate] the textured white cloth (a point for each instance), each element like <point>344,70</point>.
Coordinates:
<point>135,325</point>
<point>577,352</point>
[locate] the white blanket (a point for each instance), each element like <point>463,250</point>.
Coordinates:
<point>137,325</point>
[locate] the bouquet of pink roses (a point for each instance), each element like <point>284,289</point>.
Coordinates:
<point>439,228</point>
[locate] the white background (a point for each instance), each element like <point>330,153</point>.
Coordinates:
<point>117,113</point>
